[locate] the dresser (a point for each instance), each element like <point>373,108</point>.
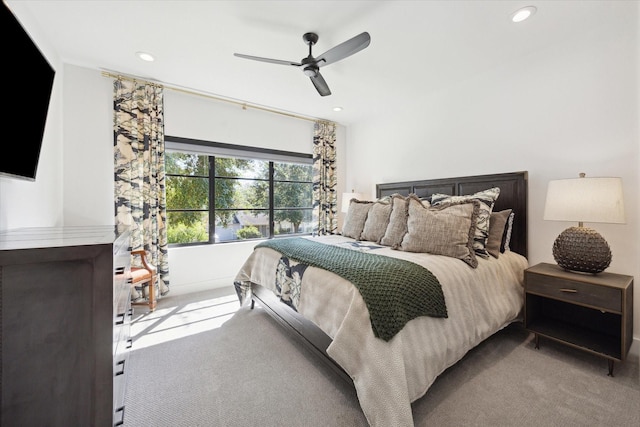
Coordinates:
<point>65,313</point>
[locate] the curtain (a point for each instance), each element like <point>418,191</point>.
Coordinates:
<point>140,198</point>
<point>324,178</point>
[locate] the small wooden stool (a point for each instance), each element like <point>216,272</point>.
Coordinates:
<point>145,276</point>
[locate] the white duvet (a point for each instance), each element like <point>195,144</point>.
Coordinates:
<point>388,376</point>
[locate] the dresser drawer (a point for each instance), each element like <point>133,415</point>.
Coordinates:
<point>596,296</point>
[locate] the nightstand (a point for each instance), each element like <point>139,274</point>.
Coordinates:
<point>590,312</point>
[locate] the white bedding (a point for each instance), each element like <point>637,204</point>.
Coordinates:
<point>388,376</point>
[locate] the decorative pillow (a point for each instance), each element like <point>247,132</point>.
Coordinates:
<point>497,227</point>
<point>356,217</point>
<point>377,220</point>
<point>397,222</point>
<point>447,229</point>
<point>506,238</point>
<point>487,199</point>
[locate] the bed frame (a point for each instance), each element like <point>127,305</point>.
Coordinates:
<point>513,195</point>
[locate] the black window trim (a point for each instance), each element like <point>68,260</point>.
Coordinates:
<point>222,149</point>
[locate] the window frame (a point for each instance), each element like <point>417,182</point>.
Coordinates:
<point>224,150</point>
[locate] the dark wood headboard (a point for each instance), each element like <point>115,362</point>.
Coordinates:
<point>513,195</point>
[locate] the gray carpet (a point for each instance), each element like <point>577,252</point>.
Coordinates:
<point>249,372</point>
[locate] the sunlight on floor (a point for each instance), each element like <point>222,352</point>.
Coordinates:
<point>170,323</point>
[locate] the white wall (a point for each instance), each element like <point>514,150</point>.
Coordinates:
<point>570,108</point>
<point>88,148</point>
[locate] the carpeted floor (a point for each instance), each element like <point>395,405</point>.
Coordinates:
<point>198,360</point>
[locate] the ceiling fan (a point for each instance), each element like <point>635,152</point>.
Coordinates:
<point>311,66</point>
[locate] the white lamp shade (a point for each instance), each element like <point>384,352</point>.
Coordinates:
<point>346,200</point>
<point>585,200</point>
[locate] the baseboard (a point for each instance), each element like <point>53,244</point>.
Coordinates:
<point>635,348</point>
<point>187,288</point>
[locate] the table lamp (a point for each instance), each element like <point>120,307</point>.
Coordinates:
<point>582,200</point>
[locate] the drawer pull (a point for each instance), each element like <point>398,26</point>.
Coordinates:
<point>121,371</point>
<point>569,291</point>
<point>129,343</point>
<point>121,422</point>
<point>121,317</point>
<point>119,270</point>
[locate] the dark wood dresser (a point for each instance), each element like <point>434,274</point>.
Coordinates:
<point>65,312</point>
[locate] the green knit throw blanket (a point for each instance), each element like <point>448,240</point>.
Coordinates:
<point>394,290</point>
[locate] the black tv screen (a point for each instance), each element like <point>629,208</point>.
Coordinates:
<point>24,115</point>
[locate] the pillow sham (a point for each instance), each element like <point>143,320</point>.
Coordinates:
<point>356,217</point>
<point>447,229</point>
<point>487,199</point>
<point>397,222</point>
<point>377,220</point>
<point>506,238</point>
<point>497,227</point>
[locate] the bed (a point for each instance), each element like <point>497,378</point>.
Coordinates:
<point>392,365</point>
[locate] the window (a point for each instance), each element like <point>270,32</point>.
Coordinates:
<point>221,192</point>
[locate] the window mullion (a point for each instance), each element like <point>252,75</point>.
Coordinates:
<point>271,199</point>
<point>212,199</point>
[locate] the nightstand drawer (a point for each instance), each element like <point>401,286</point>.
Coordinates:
<point>600,297</point>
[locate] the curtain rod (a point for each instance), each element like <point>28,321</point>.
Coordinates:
<point>244,105</point>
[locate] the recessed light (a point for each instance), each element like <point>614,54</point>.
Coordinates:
<point>145,56</point>
<point>523,13</point>
<point>337,108</point>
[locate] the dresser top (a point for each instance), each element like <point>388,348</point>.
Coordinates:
<point>41,237</point>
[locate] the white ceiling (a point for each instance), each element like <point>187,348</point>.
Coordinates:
<point>417,47</point>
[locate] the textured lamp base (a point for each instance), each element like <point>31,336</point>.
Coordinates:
<point>582,249</point>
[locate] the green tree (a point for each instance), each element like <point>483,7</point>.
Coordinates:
<point>190,192</point>
<point>292,189</point>
<point>227,189</point>
<point>248,232</point>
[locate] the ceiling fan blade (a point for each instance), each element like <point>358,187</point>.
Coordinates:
<point>320,84</point>
<point>272,61</point>
<point>341,51</point>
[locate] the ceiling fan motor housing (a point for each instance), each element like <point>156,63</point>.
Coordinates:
<point>310,71</point>
<point>310,38</point>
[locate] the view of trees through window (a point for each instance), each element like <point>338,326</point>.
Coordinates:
<point>220,199</point>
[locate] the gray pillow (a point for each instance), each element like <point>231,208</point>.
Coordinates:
<point>487,199</point>
<point>377,220</point>
<point>497,228</point>
<point>447,229</point>
<point>356,217</point>
<point>397,222</point>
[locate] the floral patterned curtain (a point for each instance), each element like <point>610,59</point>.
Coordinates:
<point>324,178</point>
<point>140,198</point>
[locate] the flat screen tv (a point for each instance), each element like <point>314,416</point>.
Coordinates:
<point>24,115</point>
